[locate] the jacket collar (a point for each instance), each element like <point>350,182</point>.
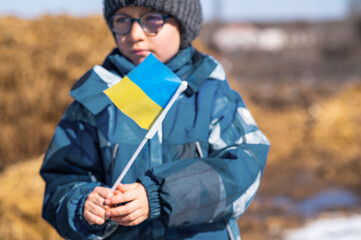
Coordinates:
<point>189,65</point>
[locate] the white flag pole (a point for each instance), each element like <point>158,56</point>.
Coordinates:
<point>154,128</point>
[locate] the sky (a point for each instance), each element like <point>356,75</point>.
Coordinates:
<point>228,10</point>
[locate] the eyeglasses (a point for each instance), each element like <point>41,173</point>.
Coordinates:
<point>150,22</point>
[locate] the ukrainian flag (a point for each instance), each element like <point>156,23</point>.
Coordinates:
<point>145,91</point>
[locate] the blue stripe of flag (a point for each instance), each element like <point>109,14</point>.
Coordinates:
<point>156,80</point>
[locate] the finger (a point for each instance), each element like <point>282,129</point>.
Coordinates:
<point>130,192</point>
<point>95,209</point>
<point>95,198</point>
<point>93,219</point>
<point>103,192</point>
<point>93,213</point>
<point>126,187</point>
<point>99,195</point>
<point>132,223</point>
<point>126,209</point>
<point>124,197</point>
<point>117,192</point>
<point>132,219</point>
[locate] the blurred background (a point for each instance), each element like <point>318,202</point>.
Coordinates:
<point>296,64</point>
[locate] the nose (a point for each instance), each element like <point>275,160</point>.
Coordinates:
<point>136,31</point>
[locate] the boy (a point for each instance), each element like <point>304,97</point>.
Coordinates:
<point>192,180</point>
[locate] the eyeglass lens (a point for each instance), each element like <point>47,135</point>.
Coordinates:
<point>150,22</point>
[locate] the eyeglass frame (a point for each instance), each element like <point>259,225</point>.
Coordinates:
<point>132,20</point>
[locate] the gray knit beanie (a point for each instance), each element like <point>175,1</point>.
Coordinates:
<point>187,12</point>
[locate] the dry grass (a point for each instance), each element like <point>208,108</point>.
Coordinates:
<point>339,123</point>
<point>20,203</point>
<point>337,137</point>
<point>40,60</point>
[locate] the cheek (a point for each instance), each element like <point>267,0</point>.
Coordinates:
<point>169,45</point>
<point>122,45</point>
<point>119,40</point>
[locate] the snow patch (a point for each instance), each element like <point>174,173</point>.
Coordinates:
<point>337,228</point>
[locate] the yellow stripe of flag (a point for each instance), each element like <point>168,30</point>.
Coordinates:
<point>132,101</point>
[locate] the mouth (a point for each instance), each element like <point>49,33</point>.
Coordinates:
<point>139,52</point>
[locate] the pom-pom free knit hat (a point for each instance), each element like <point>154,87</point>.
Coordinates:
<point>187,12</point>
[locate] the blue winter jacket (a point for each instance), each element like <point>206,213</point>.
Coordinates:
<point>200,171</point>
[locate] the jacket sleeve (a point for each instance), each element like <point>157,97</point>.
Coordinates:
<point>71,170</point>
<point>222,184</point>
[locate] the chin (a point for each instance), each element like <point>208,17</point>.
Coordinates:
<point>138,60</point>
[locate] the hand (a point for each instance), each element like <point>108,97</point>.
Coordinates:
<point>94,207</point>
<point>136,207</point>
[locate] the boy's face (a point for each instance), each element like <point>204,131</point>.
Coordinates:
<point>137,45</point>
